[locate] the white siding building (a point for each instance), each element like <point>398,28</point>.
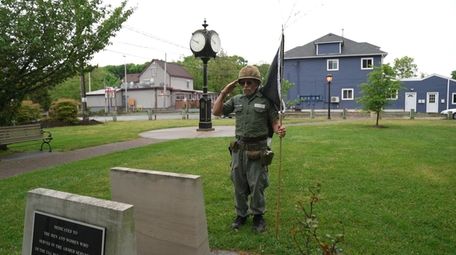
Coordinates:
<point>160,86</point>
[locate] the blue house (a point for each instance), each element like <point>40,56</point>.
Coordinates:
<point>349,63</point>
<point>431,94</point>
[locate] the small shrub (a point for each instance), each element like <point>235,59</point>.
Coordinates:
<point>28,112</point>
<point>64,110</point>
<point>306,234</point>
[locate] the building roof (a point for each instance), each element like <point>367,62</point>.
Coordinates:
<point>173,69</point>
<point>349,48</point>
<point>427,77</point>
<point>100,92</point>
<point>132,77</point>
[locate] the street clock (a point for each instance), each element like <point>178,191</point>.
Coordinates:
<point>205,43</point>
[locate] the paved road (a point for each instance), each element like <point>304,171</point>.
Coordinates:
<point>144,116</point>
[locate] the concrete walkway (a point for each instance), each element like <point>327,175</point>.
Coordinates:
<point>19,163</point>
<point>25,162</point>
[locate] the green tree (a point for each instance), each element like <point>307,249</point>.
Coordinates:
<point>263,69</point>
<point>453,75</point>
<point>221,70</point>
<point>42,97</point>
<point>42,43</point>
<point>28,112</point>
<point>379,88</point>
<point>99,78</point>
<point>405,67</point>
<point>119,70</point>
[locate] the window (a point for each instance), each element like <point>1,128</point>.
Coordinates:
<point>367,63</point>
<point>332,64</point>
<point>454,98</point>
<point>153,71</point>
<point>347,94</point>
<point>393,95</point>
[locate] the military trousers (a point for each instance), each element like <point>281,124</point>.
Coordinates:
<point>250,179</point>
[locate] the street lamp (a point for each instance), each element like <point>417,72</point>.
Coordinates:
<point>205,44</point>
<point>329,79</point>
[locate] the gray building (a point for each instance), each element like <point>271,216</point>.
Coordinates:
<point>160,85</point>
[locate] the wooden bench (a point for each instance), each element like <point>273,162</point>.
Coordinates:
<point>23,133</point>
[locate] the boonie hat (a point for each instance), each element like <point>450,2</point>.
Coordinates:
<point>250,72</point>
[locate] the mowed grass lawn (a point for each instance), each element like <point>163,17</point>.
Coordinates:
<point>393,188</point>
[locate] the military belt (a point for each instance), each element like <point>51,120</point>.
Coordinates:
<point>252,146</point>
<point>252,139</point>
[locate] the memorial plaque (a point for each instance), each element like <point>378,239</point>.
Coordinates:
<point>54,235</point>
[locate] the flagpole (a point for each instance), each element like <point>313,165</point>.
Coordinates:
<point>279,186</point>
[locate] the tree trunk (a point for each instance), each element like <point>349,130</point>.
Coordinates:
<point>378,117</point>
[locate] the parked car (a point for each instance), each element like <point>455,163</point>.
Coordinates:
<point>445,112</point>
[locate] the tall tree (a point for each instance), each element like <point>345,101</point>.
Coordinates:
<point>42,43</point>
<point>119,70</point>
<point>380,88</point>
<point>405,67</point>
<point>453,75</point>
<point>222,70</point>
<point>99,78</point>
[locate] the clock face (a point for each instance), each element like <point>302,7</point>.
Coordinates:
<point>197,42</point>
<point>215,42</point>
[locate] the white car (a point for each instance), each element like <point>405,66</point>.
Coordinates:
<point>445,112</point>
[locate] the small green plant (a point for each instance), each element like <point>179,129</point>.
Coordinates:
<point>64,110</point>
<point>305,234</point>
<point>28,112</point>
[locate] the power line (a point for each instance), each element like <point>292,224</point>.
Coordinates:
<point>138,46</point>
<point>155,37</point>
<point>126,54</point>
<point>152,48</point>
<point>295,16</point>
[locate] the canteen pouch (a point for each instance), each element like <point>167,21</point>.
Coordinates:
<point>266,157</point>
<point>254,155</point>
<point>234,147</point>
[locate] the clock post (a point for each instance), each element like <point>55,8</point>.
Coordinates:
<point>205,44</point>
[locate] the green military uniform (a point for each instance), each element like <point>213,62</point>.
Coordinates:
<point>254,117</point>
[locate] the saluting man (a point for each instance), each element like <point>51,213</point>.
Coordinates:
<point>256,116</point>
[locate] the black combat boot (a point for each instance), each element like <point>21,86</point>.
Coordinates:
<point>259,225</point>
<point>238,222</point>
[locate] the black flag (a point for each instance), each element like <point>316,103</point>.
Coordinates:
<point>273,84</point>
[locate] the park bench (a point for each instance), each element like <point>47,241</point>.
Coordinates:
<point>23,133</point>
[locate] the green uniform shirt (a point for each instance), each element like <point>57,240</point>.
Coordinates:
<point>254,115</point>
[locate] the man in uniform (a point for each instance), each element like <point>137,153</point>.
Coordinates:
<point>256,117</point>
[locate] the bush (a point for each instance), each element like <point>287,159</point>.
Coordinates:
<point>28,112</point>
<point>64,110</point>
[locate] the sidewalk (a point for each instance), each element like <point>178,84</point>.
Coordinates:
<point>26,162</point>
<point>19,163</point>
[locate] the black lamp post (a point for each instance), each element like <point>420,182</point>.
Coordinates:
<point>205,44</point>
<point>329,79</point>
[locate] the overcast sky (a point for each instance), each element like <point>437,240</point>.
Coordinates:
<point>423,30</point>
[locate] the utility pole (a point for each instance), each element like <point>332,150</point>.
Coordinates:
<point>90,82</point>
<point>85,118</point>
<point>164,85</point>
<point>126,84</point>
